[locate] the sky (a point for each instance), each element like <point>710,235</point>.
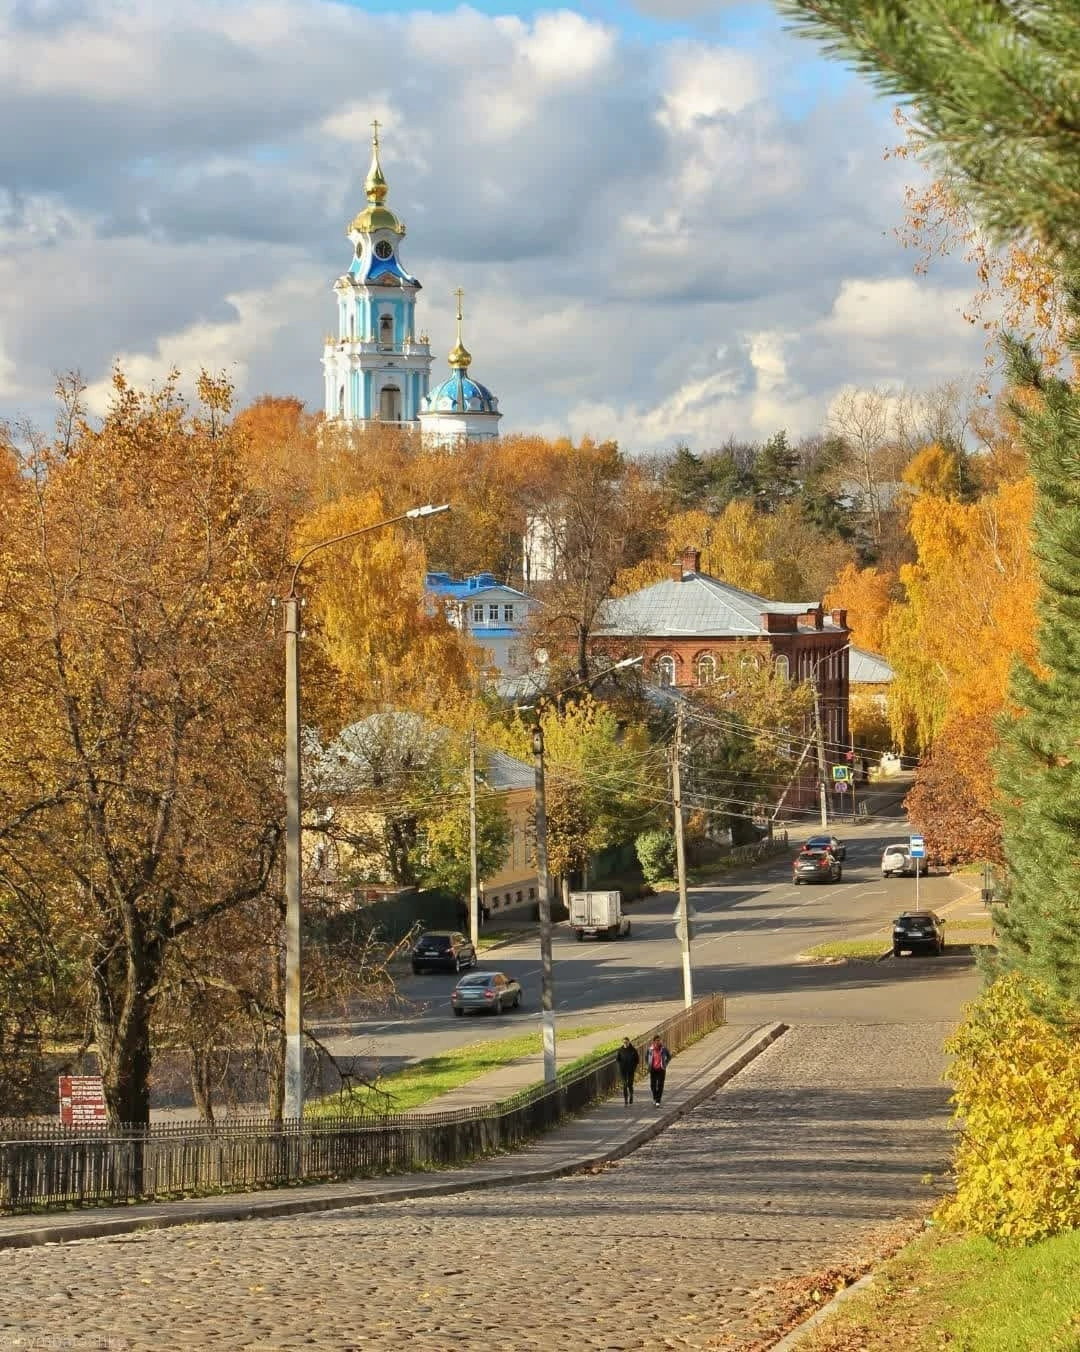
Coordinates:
<point>674,222</point>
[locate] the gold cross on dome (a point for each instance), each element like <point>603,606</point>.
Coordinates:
<point>376,125</point>
<point>460,293</point>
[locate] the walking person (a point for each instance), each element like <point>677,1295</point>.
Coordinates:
<point>628,1061</point>
<point>656,1061</point>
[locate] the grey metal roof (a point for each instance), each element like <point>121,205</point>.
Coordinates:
<point>385,746</point>
<point>698,606</point>
<point>506,772</point>
<point>865,668</point>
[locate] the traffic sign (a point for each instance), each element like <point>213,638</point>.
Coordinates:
<point>841,772</point>
<point>917,847</point>
<point>840,786</point>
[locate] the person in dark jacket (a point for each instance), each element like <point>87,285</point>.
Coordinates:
<point>628,1059</point>
<point>656,1063</point>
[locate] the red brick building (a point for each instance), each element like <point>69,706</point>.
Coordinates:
<point>685,626</point>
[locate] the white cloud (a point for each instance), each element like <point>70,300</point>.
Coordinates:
<point>657,241</point>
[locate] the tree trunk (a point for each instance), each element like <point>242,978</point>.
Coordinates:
<point>202,1063</point>
<point>125,972</point>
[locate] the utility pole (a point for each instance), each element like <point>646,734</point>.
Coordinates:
<point>294,1051</point>
<point>547,979</point>
<point>474,881</point>
<point>823,792</point>
<point>680,857</point>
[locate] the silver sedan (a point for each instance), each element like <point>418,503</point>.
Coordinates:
<point>494,991</point>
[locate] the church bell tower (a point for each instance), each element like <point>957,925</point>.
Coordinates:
<point>378,368</point>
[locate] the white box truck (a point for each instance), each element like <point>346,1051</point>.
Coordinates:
<point>599,914</point>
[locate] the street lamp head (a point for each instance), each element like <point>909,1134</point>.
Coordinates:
<point>627,662</point>
<point>417,513</point>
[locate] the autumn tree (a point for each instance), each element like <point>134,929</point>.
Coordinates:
<point>601,780</point>
<point>867,594</point>
<point>136,774</point>
<point>745,732</point>
<point>968,612</point>
<point>601,519</point>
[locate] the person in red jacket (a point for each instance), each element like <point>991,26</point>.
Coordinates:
<point>656,1063</point>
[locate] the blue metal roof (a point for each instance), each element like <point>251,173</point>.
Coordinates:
<point>470,588</point>
<point>461,394</point>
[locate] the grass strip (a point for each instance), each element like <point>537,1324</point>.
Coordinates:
<point>849,950</point>
<point>404,1090</point>
<point>947,1291</point>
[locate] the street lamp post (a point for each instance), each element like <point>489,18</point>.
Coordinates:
<point>294,1051</point>
<point>547,975</point>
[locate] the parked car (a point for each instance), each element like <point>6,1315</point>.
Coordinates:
<point>918,931</point>
<point>816,866</point>
<point>896,861</point>
<point>446,949</point>
<point>837,847</point>
<point>494,991</point>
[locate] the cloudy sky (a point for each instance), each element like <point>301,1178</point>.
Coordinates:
<point>672,220</point>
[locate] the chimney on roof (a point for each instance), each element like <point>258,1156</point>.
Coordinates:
<point>689,561</point>
<point>839,618</point>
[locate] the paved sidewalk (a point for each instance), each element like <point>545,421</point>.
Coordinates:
<point>607,1132</point>
<point>529,1070</point>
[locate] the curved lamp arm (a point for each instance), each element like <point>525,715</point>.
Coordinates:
<point>413,514</point>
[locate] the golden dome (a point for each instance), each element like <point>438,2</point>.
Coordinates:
<point>460,356</point>
<point>375,218</point>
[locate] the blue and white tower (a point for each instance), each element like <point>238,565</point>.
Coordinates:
<point>460,409</point>
<point>377,368</point>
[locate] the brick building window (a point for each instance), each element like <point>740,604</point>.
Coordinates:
<point>706,669</point>
<point>665,671</point>
<point>783,667</point>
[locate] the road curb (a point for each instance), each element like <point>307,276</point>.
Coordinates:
<point>791,1340</point>
<point>735,1060</point>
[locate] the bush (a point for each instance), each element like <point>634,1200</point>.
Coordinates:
<point>1017,1100</point>
<point>656,854</point>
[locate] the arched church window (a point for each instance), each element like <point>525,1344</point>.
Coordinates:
<point>386,331</point>
<point>783,667</point>
<point>390,403</point>
<point>665,671</point>
<point>706,669</point>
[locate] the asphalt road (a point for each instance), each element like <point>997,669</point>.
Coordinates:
<point>750,933</point>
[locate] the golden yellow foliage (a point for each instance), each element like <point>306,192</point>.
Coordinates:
<point>367,603</point>
<point>1018,288</point>
<point>969,610</point>
<point>1017,1102</point>
<point>867,595</point>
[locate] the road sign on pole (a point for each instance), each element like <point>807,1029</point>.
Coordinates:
<point>917,847</point>
<point>840,774</point>
<point>840,786</point>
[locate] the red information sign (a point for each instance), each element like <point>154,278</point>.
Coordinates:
<point>82,1100</point>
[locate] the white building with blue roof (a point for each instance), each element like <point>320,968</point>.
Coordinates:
<point>494,616</point>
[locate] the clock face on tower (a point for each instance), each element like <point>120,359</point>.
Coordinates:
<point>384,250</point>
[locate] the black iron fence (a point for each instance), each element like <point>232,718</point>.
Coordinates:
<point>45,1165</point>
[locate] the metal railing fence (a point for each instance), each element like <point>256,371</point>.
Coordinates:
<point>45,1165</point>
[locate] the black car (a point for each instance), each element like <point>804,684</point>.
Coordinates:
<point>446,949</point>
<point>837,848</point>
<point>918,931</point>
<point>480,991</point>
<point>816,866</point>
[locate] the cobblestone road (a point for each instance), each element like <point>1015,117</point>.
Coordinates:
<point>825,1137</point>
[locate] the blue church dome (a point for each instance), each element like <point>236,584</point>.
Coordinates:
<point>461,394</point>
